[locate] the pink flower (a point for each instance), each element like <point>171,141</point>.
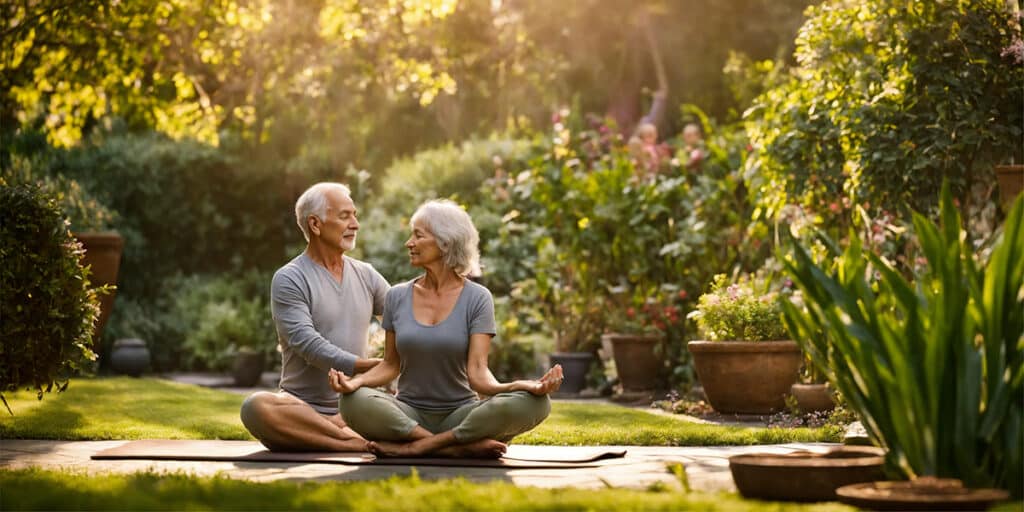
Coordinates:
<point>834,207</point>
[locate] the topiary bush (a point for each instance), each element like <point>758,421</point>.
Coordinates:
<point>47,305</point>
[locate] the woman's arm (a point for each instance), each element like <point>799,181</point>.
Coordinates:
<point>379,375</point>
<point>482,380</point>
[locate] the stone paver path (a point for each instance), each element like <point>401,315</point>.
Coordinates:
<point>707,468</point>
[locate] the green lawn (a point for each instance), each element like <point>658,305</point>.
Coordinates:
<point>52,490</point>
<point>126,408</point>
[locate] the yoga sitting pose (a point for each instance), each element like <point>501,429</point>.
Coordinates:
<point>438,329</point>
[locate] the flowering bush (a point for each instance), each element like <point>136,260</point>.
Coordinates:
<point>742,311</point>
<point>660,314</point>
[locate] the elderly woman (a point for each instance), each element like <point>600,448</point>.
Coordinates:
<point>438,329</point>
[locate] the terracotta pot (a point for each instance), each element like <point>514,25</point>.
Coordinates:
<point>746,377</point>
<point>635,360</point>
<point>925,493</point>
<point>813,397</point>
<point>805,476</point>
<point>574,370</point>
<point>1011,182</point>
<point>103,256</point>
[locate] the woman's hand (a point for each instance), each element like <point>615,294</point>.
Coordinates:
<point>342,383</point>
<point>547,384</point>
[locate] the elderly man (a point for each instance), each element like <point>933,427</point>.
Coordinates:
<point>322,303</point>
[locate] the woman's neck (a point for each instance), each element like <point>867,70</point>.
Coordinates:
<point>439,278</point>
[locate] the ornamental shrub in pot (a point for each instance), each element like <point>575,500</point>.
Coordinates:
<point>746,365</point>
<point>47,303</point>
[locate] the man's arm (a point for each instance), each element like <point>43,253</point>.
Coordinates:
<point>294,321</point>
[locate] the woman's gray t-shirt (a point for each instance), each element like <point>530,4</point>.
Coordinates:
<point>433,369</point>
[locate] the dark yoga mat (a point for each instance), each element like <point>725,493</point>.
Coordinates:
<point>517,456</point>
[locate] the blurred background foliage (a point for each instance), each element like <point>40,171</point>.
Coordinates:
<point>191,127</point>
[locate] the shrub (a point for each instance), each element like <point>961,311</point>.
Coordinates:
<point>745,310</point>
<point>887,100</point>
<point>47,305</point>
<point>82,209</point>
<point>225,314</point>
<point>934,367</point>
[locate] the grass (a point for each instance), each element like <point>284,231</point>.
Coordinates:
<point>126,408</point>
<point>51,490</point>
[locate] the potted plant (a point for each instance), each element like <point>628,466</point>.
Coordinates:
<point>932,363</point>
<point>746,365</point>
<point>813,393</point>
<point>233,332</point>
<point>637,330</point>
<point>573,312</point>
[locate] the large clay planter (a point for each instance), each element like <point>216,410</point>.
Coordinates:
<point>574,370</point>
<point>1011,182</point>
<point>805,476</point>
<point>103,256</point>
<point>746,377</point>
<point>636,362</point>
<point>813,397</point>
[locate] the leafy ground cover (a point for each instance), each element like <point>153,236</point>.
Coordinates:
<point>52,490</point>
<point>126,408</point>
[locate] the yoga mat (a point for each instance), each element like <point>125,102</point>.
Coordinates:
<point>517,456</point>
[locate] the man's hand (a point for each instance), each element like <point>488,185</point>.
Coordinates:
<point>365,365</point>
<point>547,384</point>
<point>342,383</point>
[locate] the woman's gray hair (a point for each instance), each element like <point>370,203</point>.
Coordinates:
<point>455,234</point>
<point>314,202</point>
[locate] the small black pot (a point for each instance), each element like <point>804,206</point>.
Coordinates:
<point>575,366</point>
<point>129,357</point>
<point>247,368</point>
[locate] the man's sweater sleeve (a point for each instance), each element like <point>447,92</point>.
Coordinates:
<point>290,307</point>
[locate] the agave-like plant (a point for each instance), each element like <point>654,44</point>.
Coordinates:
<point>933,366</point>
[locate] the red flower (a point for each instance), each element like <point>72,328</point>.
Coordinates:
<point>683,295</point>
<point>630,313</point>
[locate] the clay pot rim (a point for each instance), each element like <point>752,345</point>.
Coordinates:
<point>572,355</point>
<point>862,494</point>
<point>864,456</point>
<point>743,346</point>
<point>619,336</point>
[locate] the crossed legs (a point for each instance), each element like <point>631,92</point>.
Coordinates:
<point>282,422</point>
<point>478,430</point>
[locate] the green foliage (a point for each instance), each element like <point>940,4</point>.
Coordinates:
<point>33,489</point>
<point>934,367</point>
<point>453,172</point>
<point>47,305</point>
<point>225,314</point>
<point>81,208</point>
<point>887,100</point>
<point>744,310</point>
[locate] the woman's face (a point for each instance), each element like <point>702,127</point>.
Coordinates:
<point>422,245</point>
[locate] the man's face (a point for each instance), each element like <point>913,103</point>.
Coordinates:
<point>338,228</point>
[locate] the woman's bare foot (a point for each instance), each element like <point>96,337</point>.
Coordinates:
<point>482,449</point>
<point>388,449</point>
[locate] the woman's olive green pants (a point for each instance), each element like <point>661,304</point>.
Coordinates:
<point>379,416</point>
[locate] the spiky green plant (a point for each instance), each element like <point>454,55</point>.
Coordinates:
<point>933,365</point>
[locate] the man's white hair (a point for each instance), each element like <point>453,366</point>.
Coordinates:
<point>314,202</point>
<point>456,236</point>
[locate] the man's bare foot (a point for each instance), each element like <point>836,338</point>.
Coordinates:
<point>482,449</point>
